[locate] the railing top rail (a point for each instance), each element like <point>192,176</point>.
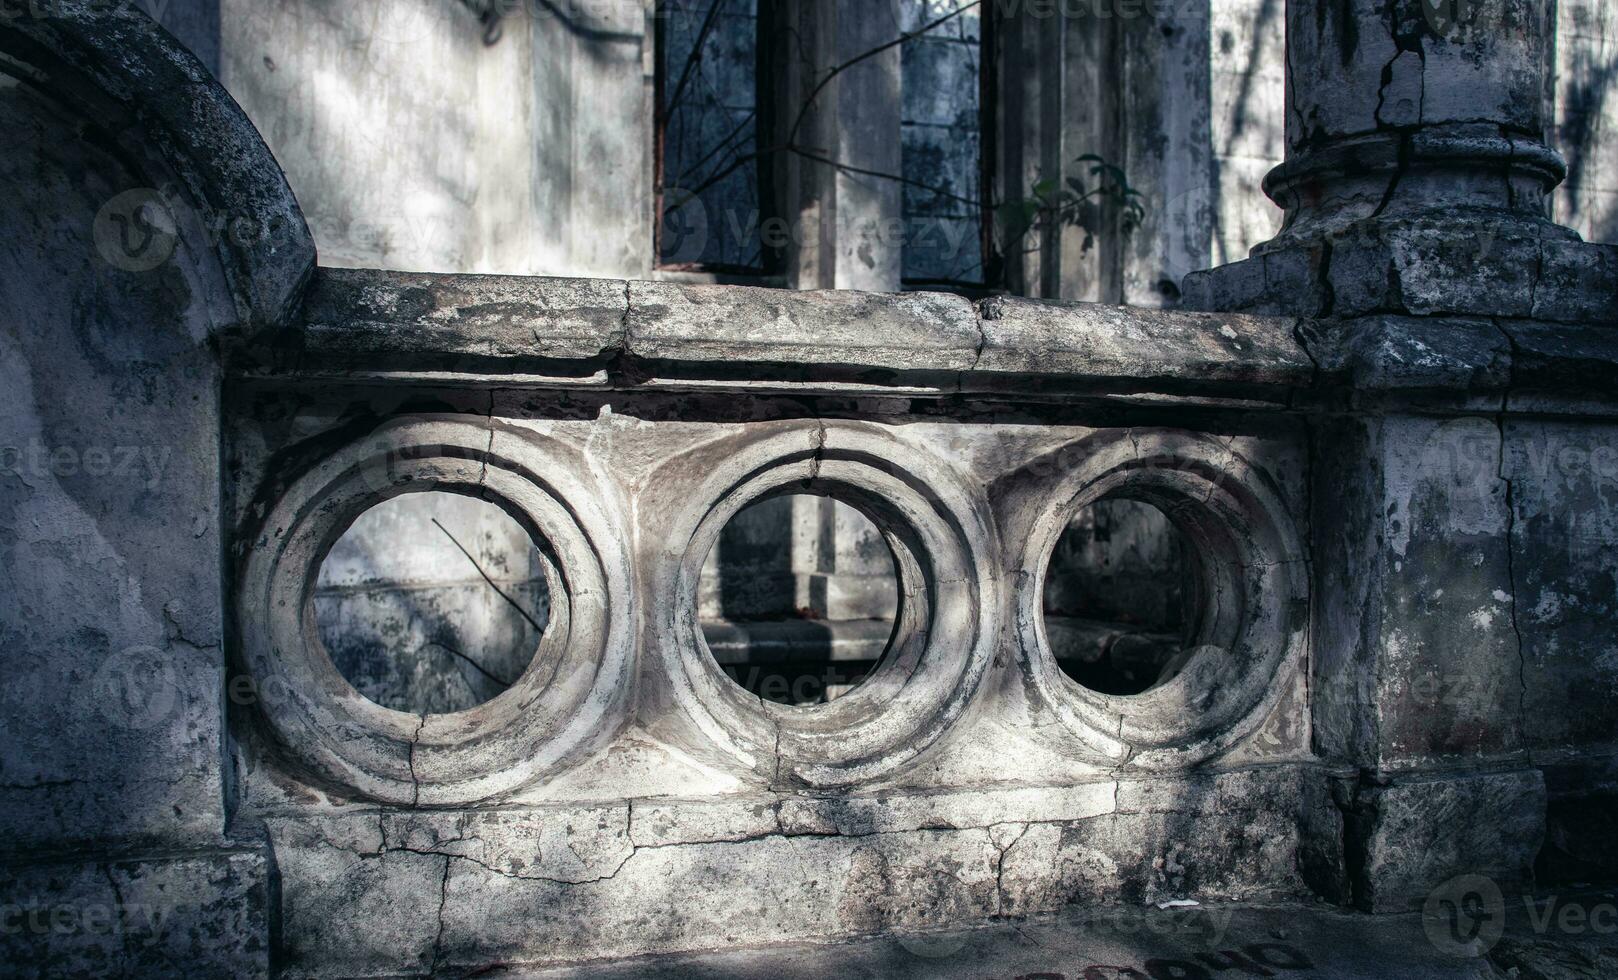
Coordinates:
<point>398,327</point>
<point>614,332</point>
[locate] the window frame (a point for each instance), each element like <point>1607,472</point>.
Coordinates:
<point>988,148</point>
<point>767,271</point>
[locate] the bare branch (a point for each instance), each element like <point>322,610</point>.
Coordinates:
<point>536,624</point>
<point>695,59</point>
<point>836,70</point>
<point>897,178</point>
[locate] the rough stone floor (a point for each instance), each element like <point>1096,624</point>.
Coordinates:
<point>1551,937</point>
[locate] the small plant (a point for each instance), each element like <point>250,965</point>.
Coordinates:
<point>1074,202</point>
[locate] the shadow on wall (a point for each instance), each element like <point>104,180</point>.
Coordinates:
<point>1583,124</point>
<point>798,598</point>
<point>432,602</point>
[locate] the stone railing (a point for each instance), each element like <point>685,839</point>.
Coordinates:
<point>625,423</point>
<point>1398,510</point>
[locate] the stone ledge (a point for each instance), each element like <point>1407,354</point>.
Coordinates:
<point>366,314</point>
<point>1387,353</point>
<point>1095,342</point>
<point>461,329</point>
<point>899,332</point>
<point>1497,363</point>
<point>607,332</point>
<point>1488,268</point>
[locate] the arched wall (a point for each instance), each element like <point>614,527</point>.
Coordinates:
<point>143,218</point>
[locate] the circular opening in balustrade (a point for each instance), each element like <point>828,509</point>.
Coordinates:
<point>432,602</point>
<point>798,597</point>
<point>1122,598</point>
<point>1202,562</point>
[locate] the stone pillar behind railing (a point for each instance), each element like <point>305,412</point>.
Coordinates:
<point>1415,187</point>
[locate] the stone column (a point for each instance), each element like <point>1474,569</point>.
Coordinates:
<point>1435,292</point>
<point>843,221</point>
<point>1415,108</point>
<point>1416,148</point>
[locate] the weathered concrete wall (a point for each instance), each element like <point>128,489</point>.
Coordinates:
<point>415,143</point>
<point>1565,543</point>
<point>1376,494</point>
<point>955,794</point>
<point>1587,117</point>
<point>677,786</point>
<point>113,773</point>
<point>1417,187</point>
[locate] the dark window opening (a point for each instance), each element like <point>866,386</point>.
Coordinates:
<point>708,172</point>
<point>432,602</point>
<point>798,599</point>
<point>1121,598</point>
<point>943,125</point>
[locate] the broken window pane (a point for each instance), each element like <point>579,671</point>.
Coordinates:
<point>708,116</point>
<point>942,135</point>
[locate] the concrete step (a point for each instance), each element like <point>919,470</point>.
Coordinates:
<point>797,641</point>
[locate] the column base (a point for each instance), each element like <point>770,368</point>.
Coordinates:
<point>1483,264</point>
<point>1409,835</point>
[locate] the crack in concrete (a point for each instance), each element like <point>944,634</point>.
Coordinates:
<point>436,851</point>
<point>623,322</point>
<point>410,760</point>
<point>775,773</point>
<point>820,451</point>
<point>1328,292</point>
<point>619,352</point>
<point>1302,340</point>
<point>42,784</point>
<point>1505,167</point>
<point>488,447</point>
<point>781,832</point>
<point>1000,867</point>
<point>1406,40</point>
<point>175,633</point>
<point>988,309</point>
<point>117,890</point>
<point>443,900</point>
<point>1533,288</point>
<point>1511,530</point>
